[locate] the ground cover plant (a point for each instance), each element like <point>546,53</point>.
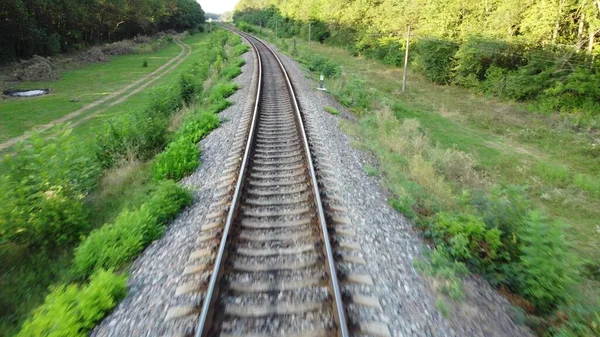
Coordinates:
<point>71,91</point>
<point>114,178</point>
<point>501,196</point>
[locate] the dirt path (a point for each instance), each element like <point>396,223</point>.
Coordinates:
<point>186,50</point>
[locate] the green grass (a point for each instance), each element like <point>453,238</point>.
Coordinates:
<point>197,42</point>
<point>77,88</point>
<point>559,164</point>
<point>25,277</point>
<point>332,110</point>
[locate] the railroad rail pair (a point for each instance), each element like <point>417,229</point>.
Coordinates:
<point>274,271</point>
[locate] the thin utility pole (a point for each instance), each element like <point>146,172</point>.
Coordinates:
<point>406,60</point>
<point>276,26</point>
<point>309,34</point>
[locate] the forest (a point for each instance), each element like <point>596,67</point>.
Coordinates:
<point>543,51</point>
<point>49,27</point>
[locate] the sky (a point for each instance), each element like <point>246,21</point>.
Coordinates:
<point>217,6</point>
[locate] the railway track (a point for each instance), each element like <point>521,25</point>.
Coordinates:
<point>266,264</point>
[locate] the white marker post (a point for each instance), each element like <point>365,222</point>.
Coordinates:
<point>322,83</point>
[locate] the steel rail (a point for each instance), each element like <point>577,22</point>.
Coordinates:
<point>206,314</point>
<point>205,320</point>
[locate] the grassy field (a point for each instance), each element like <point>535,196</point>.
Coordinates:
<point>125,186</point>
<point>77,88</point>
<point>559,164</point>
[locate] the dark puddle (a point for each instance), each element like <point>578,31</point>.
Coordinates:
<point>26,93</point>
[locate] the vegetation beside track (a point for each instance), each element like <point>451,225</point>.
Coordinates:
<point>508,196</point>
<point>62,188</point>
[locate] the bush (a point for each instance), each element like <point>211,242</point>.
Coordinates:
<point>180,158</point>
<point>74,310</point>
<point>355,95</point>
<point>448,272</point>
<point>198,126</point>
<point>240,49</point>
<point>164,204</point>
<point>138,134</point>
<point>44,190</point>
<point>112,245</point>
<point>233,70</point>
<point>554,174</point>
<point>466,238</point>
<point>547,269</point>
<point>164,101</point>
<point>221,91</point>
<point>325,66</point>
<point>476,55</point>
<point>435,59</point>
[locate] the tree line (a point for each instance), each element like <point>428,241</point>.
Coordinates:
<point>541,51</point>
<point>49,27</point>
<point>570,22</point>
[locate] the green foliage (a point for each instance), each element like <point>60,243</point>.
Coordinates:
<point>556,175</point>
<point>466,238</point>
<point>131,135</point>
<point>145,64</point>
<point>449,272</point>
<point>355,95</point>
<point>547,268</point>
<point>324,66</point>
<point>112,245</point>
<point>74,310</point>
<point>332,110</point>
<point>198,126</point>
<point>221,91</point>
<point>435,59</point>
<point>588,184</point>
<point>44,190</point>
<point>164,203</point>
<point>240,49</point>
<point>164,101</point>
<point>180,158</point>
<point>231,71</point>
<point>64,27</point>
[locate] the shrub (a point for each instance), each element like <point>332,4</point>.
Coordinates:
<point>189,86</point>
<point>547,269</point>
<point>476,55</point>
<point>446,270</point>
<point>74,310</point>
<point>466,237</point>
<point>164,203</point>
<point>240,49</point>
<point>114,244</point>
<point>332,110</point>
<point>355,95</point>
<point>435,59</point>
<point>179,158</point>
<point>131,135</point>
<point>220,91</point>
<point>231,71</point>
<point>164,101</point>
<point>198,126</point>
<point>46,182</point>
<point>325,66</point>
<point>506,208</point>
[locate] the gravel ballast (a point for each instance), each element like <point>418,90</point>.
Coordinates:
<point>155,274</point>
<point>388,243</point>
